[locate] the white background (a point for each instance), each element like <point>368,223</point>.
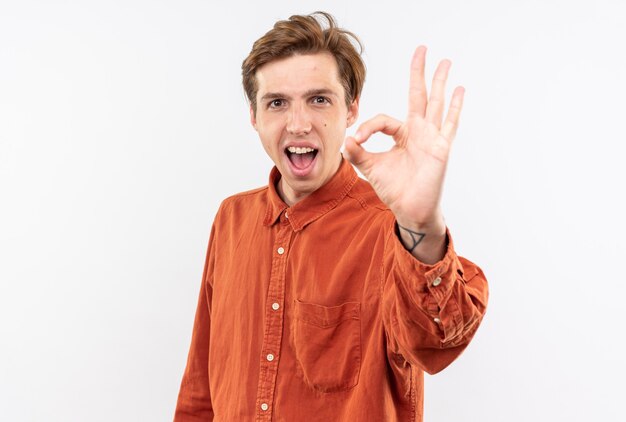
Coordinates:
<point>123,125</point>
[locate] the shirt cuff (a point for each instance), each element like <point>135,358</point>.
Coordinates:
<point>434,282</point>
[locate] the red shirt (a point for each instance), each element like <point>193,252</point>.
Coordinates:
<point>317,312</point>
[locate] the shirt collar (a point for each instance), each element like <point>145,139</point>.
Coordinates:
<point>313,206</point>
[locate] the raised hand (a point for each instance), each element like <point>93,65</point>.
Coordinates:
<point>409,177</point>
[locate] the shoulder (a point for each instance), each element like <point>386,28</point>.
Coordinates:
<point>364,194</point>
<point>246,196</point>
<point>372,213</point>
<point>249,200</point>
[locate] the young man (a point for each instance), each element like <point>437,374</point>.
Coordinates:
<point>325,297</point>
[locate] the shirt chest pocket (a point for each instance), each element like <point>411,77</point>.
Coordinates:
<point>327,342</point>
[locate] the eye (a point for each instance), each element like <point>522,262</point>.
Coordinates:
<point>320,100</point>
<point>276,103</point>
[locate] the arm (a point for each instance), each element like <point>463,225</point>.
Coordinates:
<point>409,177</point>
<point>433,300</point>
<point>194,398</point>
<point>431,312</point>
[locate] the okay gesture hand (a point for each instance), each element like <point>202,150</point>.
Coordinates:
<point>409,177</point>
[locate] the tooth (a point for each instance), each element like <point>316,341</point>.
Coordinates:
<point>298,150</point>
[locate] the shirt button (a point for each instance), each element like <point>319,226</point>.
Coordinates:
<point>264,406</point>
<point>286,214</point>
<point>275,306</point>
<point>281,250</point>
<point>437,281</point>
<point>437,320</point>
<point>270,357</point>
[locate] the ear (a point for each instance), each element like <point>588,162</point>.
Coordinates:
<point>253,118</point>
<point>353,112</point>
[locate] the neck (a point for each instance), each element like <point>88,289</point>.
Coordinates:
<point>288,195</point>
<point>291,196</point>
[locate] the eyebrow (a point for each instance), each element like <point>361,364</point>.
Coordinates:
<point>309,93</point>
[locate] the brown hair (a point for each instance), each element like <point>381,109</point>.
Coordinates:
<point>304,34</point>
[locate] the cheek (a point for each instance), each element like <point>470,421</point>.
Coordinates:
<point>333,126</point>
<point>270,144</point>
<point>270,135</point>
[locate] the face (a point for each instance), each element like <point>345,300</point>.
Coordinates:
<point>301,118</point>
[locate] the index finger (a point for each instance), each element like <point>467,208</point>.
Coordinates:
<point>417,84</point>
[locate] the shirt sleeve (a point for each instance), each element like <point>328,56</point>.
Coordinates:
<point>194,398</point>
<point>431,312</point>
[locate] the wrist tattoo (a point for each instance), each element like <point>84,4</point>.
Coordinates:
<point>416,238</point>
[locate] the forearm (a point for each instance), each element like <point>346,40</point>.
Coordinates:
<point>194,398</point>
<point>426,242</point>
<point>431,312</point>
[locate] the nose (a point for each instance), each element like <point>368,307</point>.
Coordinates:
<point>298,120</point>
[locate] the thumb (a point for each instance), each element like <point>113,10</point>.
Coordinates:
<point>355,153</point>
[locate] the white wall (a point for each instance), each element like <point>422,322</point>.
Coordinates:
<point>123,125</point>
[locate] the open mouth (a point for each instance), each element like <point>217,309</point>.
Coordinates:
<point>301,158</point>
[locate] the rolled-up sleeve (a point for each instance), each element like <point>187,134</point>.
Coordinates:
<point>430,312</point>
